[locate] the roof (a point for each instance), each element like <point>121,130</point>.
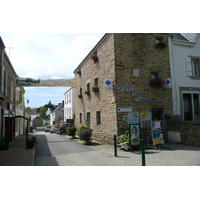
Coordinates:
<point>187,37</point>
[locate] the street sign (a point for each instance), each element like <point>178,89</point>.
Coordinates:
<point>124,109</point>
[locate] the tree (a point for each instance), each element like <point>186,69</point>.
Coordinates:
<point>49,105</point>
<point>43,111</point>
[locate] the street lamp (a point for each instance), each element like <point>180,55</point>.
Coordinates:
<point>27,100</point>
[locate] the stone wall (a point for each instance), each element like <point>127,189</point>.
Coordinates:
<point>119,54</point>
<point>103,100</point>
<point>189,130</point>
<point>138,51</point>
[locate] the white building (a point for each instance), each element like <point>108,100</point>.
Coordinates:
<point>185,75</point>
<point>69,103</point>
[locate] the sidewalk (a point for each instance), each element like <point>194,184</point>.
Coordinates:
<point>17,155</point>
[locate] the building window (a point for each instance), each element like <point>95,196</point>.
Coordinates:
<point>98,117</point>
<point>88,86</point>
<point>159,40</point>
<point>154,75</point>
<point>195,67</point>
<point>80,117</point>
<point>191,106</point>
<point>80,91</point>
<point>88,119</point>
<point>96,81</point>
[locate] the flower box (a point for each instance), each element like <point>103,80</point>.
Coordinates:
<point>161,45</point>
<point>156,82</point>
<point>94,57</point>
<point>95,88</point>
<point>87,92</point>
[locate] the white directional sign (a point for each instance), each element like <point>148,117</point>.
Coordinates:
<point>124,109</point>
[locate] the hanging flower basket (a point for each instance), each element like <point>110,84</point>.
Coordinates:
<point>87,92</point>
<point>94,57</point>
<point>161,45</point>
<point>156,82</point>
<point>95,88</point>
<point>79,72</point>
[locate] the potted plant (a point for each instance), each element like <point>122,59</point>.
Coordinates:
<point>71,130</point>
<point>5,144</point>
<point>85,134</point>
<point>94,57</point>
<point>79,72</point>
<point>87,92</point>
<point>156,82</point>
<point>30,142</point>
<point>95,88</point>
<point>123,141</point>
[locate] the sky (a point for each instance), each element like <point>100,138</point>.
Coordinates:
<point>47,55</point>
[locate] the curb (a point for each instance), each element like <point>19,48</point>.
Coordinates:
<point>33,157</point>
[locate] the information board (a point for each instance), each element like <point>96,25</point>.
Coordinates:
<point>157,132</point>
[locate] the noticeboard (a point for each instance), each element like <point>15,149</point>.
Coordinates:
<point>157,133</point>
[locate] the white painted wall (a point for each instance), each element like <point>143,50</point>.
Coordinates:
<point>69,103</point>
<point>180,52</point>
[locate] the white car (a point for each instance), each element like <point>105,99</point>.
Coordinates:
<point>47,128</point>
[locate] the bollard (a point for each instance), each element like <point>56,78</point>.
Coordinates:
<point>143,152</point>
<point>115,144</point>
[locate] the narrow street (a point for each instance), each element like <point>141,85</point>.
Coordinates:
<point>60,150</point>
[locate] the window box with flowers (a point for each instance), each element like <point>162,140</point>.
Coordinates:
<point>95,88</point>
<point>87,92</point>
<point>79,72</point>
<point>94,57</point>
<point>161,45</point>
<point>156,82</point>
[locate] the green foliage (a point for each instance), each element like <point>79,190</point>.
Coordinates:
<point>123,141</point>
<point>85,134</point>
<point>71,130</point>
<point>43,111</point>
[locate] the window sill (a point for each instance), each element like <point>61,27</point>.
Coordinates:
<point>195,77</point>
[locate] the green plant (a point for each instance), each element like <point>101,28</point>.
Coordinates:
<point>32,139</point>
<point>95,88</point>
<point>94,57</point>
<point>161,45</point>
<point>71,130</point>
<point>79,72</point>
<point>87,92</point>
<point>86,135</point>
<point>123,141</point>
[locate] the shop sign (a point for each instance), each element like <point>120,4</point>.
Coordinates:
<point>128,89</point>
<point>124,109</point>
<point>143,99</point>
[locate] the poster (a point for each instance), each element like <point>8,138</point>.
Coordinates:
<point>134,134</point>
<point>133,118</point>
<point>145,119</point>
<point>157,133</point>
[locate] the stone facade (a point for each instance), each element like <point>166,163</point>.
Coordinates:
<point>189,131</point>
<point>118,55</point>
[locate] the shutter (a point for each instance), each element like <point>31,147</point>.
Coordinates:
<point>188,66</point>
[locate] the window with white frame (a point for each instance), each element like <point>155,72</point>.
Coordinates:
<point>191,104</point>
<point>195,67</point>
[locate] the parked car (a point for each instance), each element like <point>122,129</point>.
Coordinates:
<point>63,127</point>
<point>47,128</point>
<point>40,128</point>
<point>54,129</point>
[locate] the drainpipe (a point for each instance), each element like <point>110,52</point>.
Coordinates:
<point>2,47</point>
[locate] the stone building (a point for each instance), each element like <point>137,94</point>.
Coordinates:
<point>125,64</point>
<point>7,95</point>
